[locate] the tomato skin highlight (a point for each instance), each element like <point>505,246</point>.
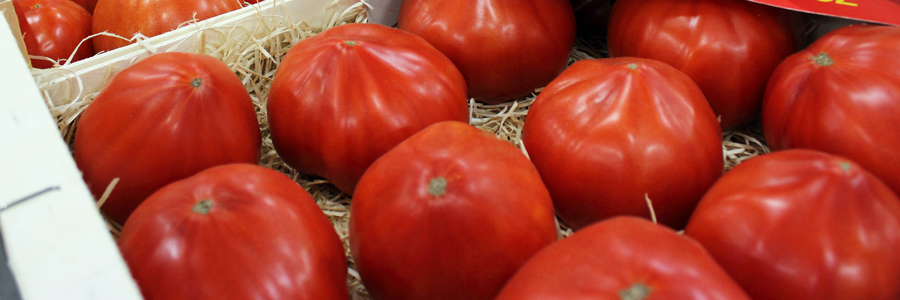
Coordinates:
<point>728,47</point>
<point>236,231</point>
<point>342,98</point>
<point>802,224</point>
<point>608,133</point>
<point>53,28</point>
<point>162,119</point>
<point>621,257</point>
<point>450,213</point>
<point>504,49</point>
<point>841,95</point>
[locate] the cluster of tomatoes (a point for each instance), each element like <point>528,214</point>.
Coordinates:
<point>60,31</point>
<point>442,210</point>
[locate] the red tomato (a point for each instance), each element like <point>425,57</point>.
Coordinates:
<point>450,213</point>
<point>53,28</point>
<point>505,49</point>
<point>150,17</point>
<point>842,96</point>
<point>801,224</point>
<point>728,47</point>
<point>234,232</point>
<point>343,98</point>
<point>162,119</point>
<point>88,5</point>
<point>592,15</point>
<point>607,132</point>
<point>622,258</point>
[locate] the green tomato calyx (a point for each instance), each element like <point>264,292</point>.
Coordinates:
<point>823,60</point>
<point>845,166</point>
<point>203,207</point>
<point>638,291</point>
<point>437,187</point>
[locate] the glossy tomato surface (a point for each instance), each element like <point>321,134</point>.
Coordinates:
<point>623,258</point>
<point>150,17</point>
<point>607,132</point>
<point>162,119</point>
<point>802,224</point>
<point>53,29</point>
<point>237,231</point>
<point>505,49</point>
<point>450,213</point>
<point>87,4</point>
<point>841,95</point>
<point>344,97</point>
<point>728,47</point>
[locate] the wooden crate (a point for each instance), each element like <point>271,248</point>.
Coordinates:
<point>56,242</point>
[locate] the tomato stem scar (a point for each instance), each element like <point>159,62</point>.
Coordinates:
<point>350,43</point>
<point>823,60</point>
<point>196,82</point>
<point>845,166</point>
<point>437,186</point>
<point>203,207</point>
<point>632,66</point>
<point>638,291</point>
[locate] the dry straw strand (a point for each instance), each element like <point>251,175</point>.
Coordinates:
<point>254,55</point>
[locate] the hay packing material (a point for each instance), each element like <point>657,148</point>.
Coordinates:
<point>254,56</point>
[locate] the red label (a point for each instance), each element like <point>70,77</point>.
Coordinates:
<point>878,11</point>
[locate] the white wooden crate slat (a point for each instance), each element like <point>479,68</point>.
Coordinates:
<point>57,244</point>
<point>62,86</point>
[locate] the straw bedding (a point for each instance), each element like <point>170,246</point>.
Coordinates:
<point>255,59</point>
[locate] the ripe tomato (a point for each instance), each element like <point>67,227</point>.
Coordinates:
<point>234,232</point>
<point>622,258</point>
<point>728,47</point>
<point>150,17</point>
<point>53,28</point>
<point>162,119</point>
<point>450,213</point>
<point>842,96</point>
<point>87,4</point>
<point>607,132</point>
<point>504,49</point>
<point>344,97</point>
<point>802,224</point>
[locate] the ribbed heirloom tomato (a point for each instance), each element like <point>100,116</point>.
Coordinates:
<point>728,47</point>
<point>344,97</point>
<point>150,17</point>
<point>450,213</point>
<point>53,29</point>
<point>234,232</point>
<point>162,119</point>
<point>842,96</point>
<point>623,258</point>
<point>802,224</point>
<point>504,49</point>
<point>608,132</point>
